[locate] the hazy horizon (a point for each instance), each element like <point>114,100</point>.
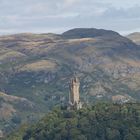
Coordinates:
<point>55,16</point>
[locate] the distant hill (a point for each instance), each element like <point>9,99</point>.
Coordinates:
<point>38,67</point>
<point>135,37</point>
<point>88,33</point>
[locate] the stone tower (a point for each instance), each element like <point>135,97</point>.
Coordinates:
<point>74,97</point>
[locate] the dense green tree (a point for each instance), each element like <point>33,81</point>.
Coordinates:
<point>99,122</point>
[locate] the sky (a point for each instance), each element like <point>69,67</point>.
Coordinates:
<point>57,16</point>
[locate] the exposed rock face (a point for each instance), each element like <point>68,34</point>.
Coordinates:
<point>6,111</point>
<point>121,99</point>
<point>123,70</point>
<point>98,90</point>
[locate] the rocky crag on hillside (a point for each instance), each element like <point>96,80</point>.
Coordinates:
<point>37,69</point>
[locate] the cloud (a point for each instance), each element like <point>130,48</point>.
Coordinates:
<point>70,2</point>
<point>46,15</point>
<point>131,12</point>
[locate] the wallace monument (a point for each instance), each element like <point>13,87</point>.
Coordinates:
<point>74,95</point>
